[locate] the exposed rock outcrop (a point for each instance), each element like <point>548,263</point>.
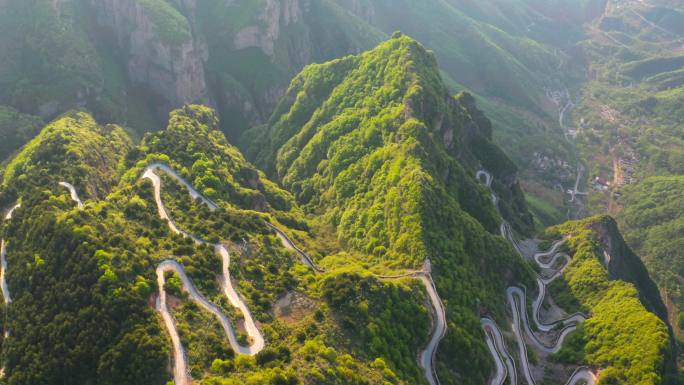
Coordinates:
<point>175,71</point>
<point>275,15</point>
<point>623,264</point>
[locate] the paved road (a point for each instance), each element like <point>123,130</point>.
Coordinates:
<point>287,242</point>
<point>3,261</point>
<point>194,194</point>
<point>517,300</point>
<point>542,283</point>
<point>497,347</point>
<point>488,177</point>
<point>181,376</point>
<point>427,357</point>
<point>180,368</point>
<point>575,192</point>
<point>73,193</point>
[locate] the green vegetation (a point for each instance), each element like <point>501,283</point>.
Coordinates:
<point>247,78</point>
<point>75,148</point>
<point>375,145</point>
<point>633,120</point>
<point>487,59</point>
<point>375,163</point>
<point>55,58</point>
<point>622,337</point>
<point>16,129</point>
<point>388,318</point>
<point>47,57</point>
<point>652,222</point>
<point>88,276</point>
<point>173,28</point>
<point>648,67</point>
<point>77,272</point>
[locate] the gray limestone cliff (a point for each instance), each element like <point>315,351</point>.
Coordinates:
<point>170,63</point>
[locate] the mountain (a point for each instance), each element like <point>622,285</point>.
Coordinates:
<point>376,147</point>
<point>651,221</point>
<point>372,219</point>
<point>133,61</point>
<point>628,124</point>
<point>352,160</point>
<point>606,279</point>
<point>87,273</point>
<point>256,47</point>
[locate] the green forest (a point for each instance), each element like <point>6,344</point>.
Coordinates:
<point>373,175</point>
<point>609,338</point>
<point>652,223</point>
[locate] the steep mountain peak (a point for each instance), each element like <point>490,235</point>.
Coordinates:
<point>384,158</point>
<point>399,77</point>
<point>390,99</point>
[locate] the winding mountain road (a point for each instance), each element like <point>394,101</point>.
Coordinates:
<point>497,347</point>
<point>287,242</point>
<point>542,283</point>
<point>3,261</point>
<point>73,193</point>
<point>517,301</point>
<point>427,357</point>
<point>181,376</point>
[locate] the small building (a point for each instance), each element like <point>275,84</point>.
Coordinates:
<point>600,184</point>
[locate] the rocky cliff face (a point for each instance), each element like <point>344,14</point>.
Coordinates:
<point>175,71</point>
<point>623,264</point>
<point>252,58</point>
<point>275,15</point>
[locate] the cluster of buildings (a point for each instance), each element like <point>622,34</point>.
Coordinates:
<point>627,171</point>
<point>600,184</point>
<point>627,162</point>
<point>560,169</point>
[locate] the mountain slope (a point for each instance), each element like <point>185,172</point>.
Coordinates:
<point>629,126</point>
<point>256,47</point>
<point>376,147</point>
<point>73,147</point>
<point>607,280</point>
<point>651,221</point>
<point>83,282</point>
<point>16,129</point>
